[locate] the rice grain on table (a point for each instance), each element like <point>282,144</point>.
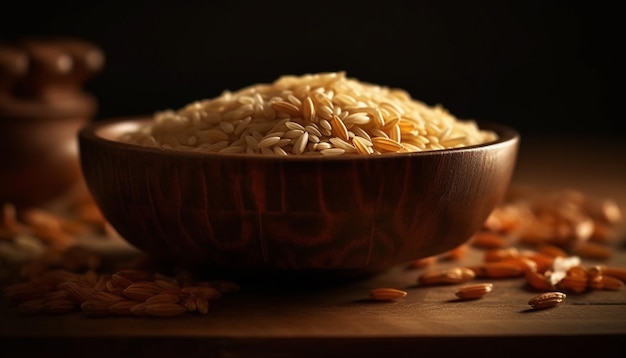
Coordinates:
<point>309,115</point>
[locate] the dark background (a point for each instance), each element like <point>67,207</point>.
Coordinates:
<point>544,67</point>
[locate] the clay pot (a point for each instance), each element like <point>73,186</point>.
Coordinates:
<point>42,107</point>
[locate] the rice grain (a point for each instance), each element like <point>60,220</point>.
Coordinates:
<point>387,294</point>
<point>470,292</point>
<point>324,105</point>
<point>547,300</point>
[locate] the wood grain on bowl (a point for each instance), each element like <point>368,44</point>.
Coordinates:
<point>269,212</point>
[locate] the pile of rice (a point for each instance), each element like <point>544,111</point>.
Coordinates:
<point>313,114</point>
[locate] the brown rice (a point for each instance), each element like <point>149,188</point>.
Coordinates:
<point>325,114</point>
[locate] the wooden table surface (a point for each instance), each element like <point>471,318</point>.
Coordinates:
<point>313,315</point>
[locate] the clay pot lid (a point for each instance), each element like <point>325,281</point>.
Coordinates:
<point>44,76</point>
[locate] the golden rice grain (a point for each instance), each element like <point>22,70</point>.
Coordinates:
<point>105,296</point>
<point>577,270</point>
<point>267,142</point>
<point>286,107</point>
<point>332,151</point>
<point>524,263</point>
<point>499,254</point>
<point>488,240</point>
<point>163,298</point>
<point>498,269</point>
<point>547,300</point>
<point>339,129</point>
<point>474,291</point>
<point>604,282</point>
<point>387,294</point>
<point>308,109</point>
<point>9,224</point>
<point>167,284</point>
<point>300,144</point>
<point>111,286</point>
<point>573,283</point>
<point>383,144</point>
<point>101,283</point>
<point>47,227</point>
<point>551,250</point>
<point>423,262</point>
<point>616,272</point>
<point>603,233</point>
<point>325,112</point>
<point>123,308</point>
<point>538,281</point>
<point>202,305</point>
<point>120,281</point>
<point>455,254</point>
<point>189,303</point>
<point>592,250</point>
<point>141,291</point>
<point>77,291</point>
<point>139,309</point>
<point>446,276</point>
<point>38,218</point>
<point>543,262</point>
<point>362,145</point>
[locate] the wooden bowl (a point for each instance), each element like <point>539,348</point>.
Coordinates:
<point>244,212</point>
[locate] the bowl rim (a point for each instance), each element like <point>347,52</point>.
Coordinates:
<point>92,132</point>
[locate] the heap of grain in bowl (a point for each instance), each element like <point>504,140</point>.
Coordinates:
<point>313,114</point>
